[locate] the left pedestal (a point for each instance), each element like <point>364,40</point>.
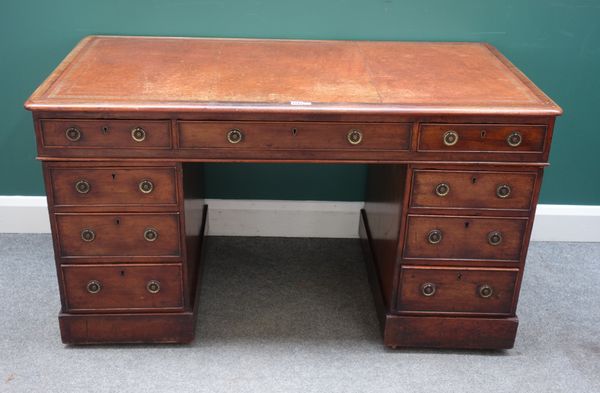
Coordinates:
<point>128,266</point>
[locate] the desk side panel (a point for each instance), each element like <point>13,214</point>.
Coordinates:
<point>384,202</point>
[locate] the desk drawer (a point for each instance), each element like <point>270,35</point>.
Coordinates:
<point>122,287</point>
<point>107,186</point>
<point>474,238</point>
<point>117,235</point>
<point>456,290</point>
<point>472,189</point>
<point>506,138</point>
<point>318,136</point>
<point>111,134</point>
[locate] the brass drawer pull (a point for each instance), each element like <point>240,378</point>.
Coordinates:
<point>73,134</point>
<point>153,286</point>
<point>428,289</point>
<point>82,186</point>
<point>442,189</point>
<point>354,136</point>
<point>87,235</point>
<point>146,186</point>
<point>138,134</point>
<point>514,139</point>
<point>93,286</point>
<point>150,234</point>
<point>434,236</point>
<point>450,138</point>
<point>503,191</point>
<point>494,238</point>
<point>485,291</point>
<point>234,136</point>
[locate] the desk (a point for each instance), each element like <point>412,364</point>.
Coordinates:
<point>456,139</point>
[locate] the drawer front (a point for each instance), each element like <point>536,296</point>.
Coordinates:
<point>116,235</point>
<point>114,186</point>
<point>504,138</point>
<point>122,287</point>
<point>318,136</point>
<point>441,237</point>
<point>472,189</point>
<point>456,290</point>
<point>112,134</point>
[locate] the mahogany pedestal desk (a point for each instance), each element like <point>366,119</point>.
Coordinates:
<point>455,138</point>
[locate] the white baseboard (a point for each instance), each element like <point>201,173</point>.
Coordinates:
<point>576,223</point>
<point>24,214</point>
<point>566,223</point>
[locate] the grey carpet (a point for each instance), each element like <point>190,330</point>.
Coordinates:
<point>296,315</point>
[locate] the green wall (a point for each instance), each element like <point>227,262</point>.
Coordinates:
<point>556,43</point>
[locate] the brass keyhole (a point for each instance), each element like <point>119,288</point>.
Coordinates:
<point>483,133</point>
<point>473,180</point>
<point>118,221</point>
<point>105,129</point>
<point>294,131</point>
<point>114,176</point>
<point>466,224</point>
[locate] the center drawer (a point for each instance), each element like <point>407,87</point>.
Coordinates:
<point>456,290</point>
<point>122,287</point>
<point>466,238</point>
<point>298,135</point>
<point>116,235</point>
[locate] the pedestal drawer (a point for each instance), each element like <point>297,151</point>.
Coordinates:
<point>110,134</point>
<point>116,235</point>
<point>79,186</point>
<point>299,135</point>
<point>474,238</point>
<point>456,290</point>
<point>122,287</point>
<point>516,138</point>
<point>472,189</point>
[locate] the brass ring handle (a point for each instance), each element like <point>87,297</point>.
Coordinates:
<point>354,136</point>
<point>428,289</point>
<point>434,236</point>
<point>138,134</point>
<point>83,186</point>
<point>146,186</point>
<point>93,286</point>
<point>514,139</point>
<point>485,291</point>
<point>494,238</point>
<point>234,136</point>
<point>87,235</point>
<point>450,138</point>
<point>503,191</point>
<point>442,189</point>
<point>150,234</point>
<point>153,286</point>
<point>73,134</point>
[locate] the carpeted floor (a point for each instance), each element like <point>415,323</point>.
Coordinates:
<point>296,315</point>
